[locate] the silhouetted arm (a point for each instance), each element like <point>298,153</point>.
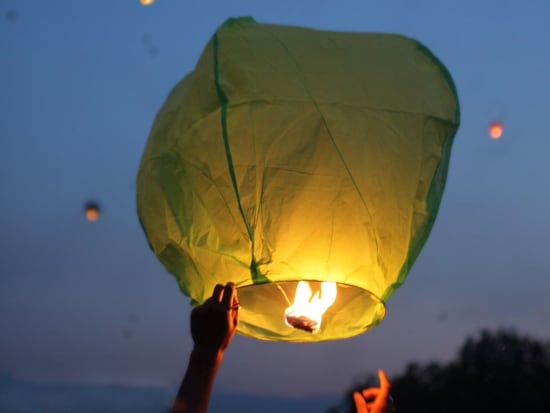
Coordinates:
<point>213,325</point>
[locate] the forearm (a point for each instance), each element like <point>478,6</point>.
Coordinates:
<point>198,381</point>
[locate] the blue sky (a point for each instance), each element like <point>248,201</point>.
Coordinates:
<point>81,83</point>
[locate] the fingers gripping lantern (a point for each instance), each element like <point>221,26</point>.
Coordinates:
<point>294,155</point>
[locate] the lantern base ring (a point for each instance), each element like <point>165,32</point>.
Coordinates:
<point>262,313</point>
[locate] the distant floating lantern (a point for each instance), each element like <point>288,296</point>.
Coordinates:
<point>147,2</point>
<point>91,211</point>
<point>496,130</point>
<point>307,167</point>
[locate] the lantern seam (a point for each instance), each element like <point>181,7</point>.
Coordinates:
<point>256,276</point>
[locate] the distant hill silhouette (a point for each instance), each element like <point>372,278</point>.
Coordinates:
<point>22,396</point>
<point>501,372</point>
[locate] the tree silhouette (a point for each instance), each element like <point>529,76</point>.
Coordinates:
<point>497,372</point>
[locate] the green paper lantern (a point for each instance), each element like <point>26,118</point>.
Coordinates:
<point>291,154</point>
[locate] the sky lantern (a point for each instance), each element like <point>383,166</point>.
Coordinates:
<point>146,2</point>
<point>496,130</point>
<point>306,166</point>
<point>91,211</point>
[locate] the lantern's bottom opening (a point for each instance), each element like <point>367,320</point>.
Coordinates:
<point>262,313</point>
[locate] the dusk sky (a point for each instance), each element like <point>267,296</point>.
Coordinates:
<point>80,84</point>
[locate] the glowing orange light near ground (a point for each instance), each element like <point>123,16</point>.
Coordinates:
<point>147,2</point>
<point>91,211</point>
<point>495,130</point>
<point>306,312</point>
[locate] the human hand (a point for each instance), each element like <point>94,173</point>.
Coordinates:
<point>214,322</point>
<point>373,399</point>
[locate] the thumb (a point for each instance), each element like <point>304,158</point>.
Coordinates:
<point>360,404</point>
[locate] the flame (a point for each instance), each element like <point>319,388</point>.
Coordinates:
<point>91,211</point>
<point>306,312</point>
<point>92,214</point>
<point>496,130</point>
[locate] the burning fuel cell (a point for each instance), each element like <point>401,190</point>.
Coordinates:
<point>306,312</point>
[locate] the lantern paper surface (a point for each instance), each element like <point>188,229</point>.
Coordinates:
<point>293,154</point>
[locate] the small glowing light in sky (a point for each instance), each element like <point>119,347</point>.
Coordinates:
<point>495,130</point>
<point>91,211</point>
<point>147,2</point>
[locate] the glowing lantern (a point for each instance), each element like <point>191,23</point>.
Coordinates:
<point>305,166</point>
<point>147,2</point>
<point>91,211</point>
<point>495,130</point>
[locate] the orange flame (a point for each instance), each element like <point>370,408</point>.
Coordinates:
<point>495,130</point>
<point>92,214</point>
<point>306,312</point>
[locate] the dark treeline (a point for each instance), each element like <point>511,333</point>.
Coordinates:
<point>497,372</point>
